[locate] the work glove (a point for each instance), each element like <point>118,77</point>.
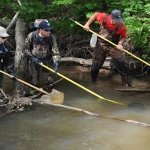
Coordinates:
<point>56,60</point>
<point>34,59</point>
<point>56,65</point>
<point>14,76</point>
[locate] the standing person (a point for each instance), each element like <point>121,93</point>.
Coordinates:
<point>111,28</point>
<point>41,46</point>
<point>5,59</point>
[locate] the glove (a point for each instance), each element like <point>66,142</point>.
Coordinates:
<point>56,58</point>
<point>56,65</point>
<point>14,76</point>
<point>34,59</point>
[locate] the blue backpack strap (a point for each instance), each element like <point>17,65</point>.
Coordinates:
<point>105,19</point>
<point>33,38</point>
<point>6,49</point>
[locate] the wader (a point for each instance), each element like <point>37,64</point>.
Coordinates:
<point>103,48</point>
<point>42,51</point>
<point>34,71</point>
<point>5,62</point>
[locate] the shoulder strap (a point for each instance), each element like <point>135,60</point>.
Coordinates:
<point>105,19</point>
<point>118,28</point>
<point>5,46</point>
<point>33,37</point>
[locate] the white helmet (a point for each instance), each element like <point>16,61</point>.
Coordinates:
<point>35,25</point>
<point>37,21</point>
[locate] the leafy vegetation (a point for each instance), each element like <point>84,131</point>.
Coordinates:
<point>136,15</point>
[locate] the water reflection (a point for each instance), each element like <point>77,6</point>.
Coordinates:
<point>43,127</point>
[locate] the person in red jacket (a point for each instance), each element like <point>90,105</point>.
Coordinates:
<point>111,28</point>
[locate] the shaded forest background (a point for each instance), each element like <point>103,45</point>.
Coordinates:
<point>72,40</point>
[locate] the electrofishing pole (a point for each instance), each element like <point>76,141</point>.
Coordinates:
<point>75,83</point>
<point>34,87</point>
<point>111,43</point>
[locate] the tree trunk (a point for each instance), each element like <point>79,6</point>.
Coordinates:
<point>20,38</point>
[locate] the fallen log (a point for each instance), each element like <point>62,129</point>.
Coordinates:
<point>56,99</point>
<point>45,101</point>
<point>17,103</point>
<point>133,90</point>
<point>86,61</point>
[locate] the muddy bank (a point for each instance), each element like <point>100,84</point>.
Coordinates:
<point>141,82</point>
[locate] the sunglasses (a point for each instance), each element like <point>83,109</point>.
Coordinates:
<point>3,37</point>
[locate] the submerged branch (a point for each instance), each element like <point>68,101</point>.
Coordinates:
<point>90,113</point>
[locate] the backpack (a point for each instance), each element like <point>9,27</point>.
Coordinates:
<point>34,39</point>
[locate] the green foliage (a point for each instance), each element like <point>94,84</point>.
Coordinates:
<point>79,11</point>
<point>139,34</point>
<point>3,4</point>
<point>30,10</point>
<point>63,2</point>
<point>137,20</point>
<point>136,14</point>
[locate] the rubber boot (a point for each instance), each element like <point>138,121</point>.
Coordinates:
<point>94,77</point>
<point>94,71</point>
<point>125,81</point>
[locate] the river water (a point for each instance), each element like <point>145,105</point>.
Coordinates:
<point>44,127</point>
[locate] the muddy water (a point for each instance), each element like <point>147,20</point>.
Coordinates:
<point>43,127</point>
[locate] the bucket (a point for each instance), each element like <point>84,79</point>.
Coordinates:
<point>93,40</point>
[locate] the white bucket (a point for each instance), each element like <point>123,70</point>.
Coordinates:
<point>93,40</point>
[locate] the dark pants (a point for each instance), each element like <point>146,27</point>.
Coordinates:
<point>34,71</point>
<point>100,53</point>
<point>1,75</point>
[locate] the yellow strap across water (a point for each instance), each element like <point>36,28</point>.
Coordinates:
<point>81,86</point>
